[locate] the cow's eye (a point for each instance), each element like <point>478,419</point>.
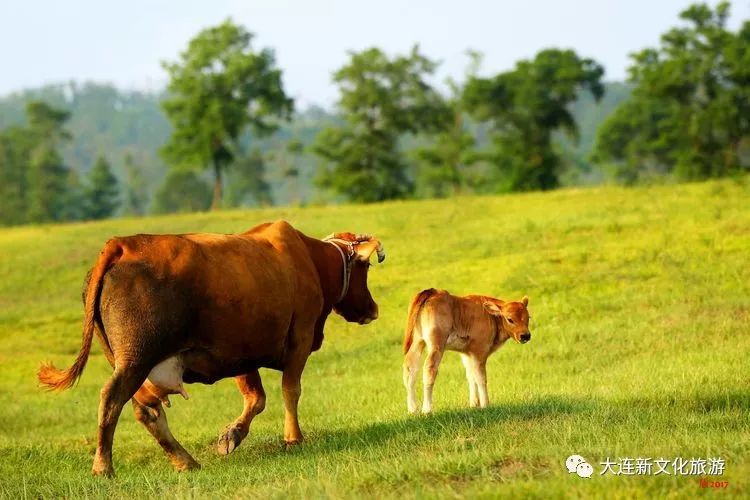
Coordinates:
<point>511,321</point>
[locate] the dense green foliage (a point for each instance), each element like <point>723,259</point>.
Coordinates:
<point>182,191</point>
<point>444,164</point>
<point>32,169</point>
<point>102,192</point>
<point>131,129</point>
<point>640,309</point>
<point>525,107</point>
<point>136,194</point>
<point>690,110</point>
<point>219,87</point>
<point>381,99</point>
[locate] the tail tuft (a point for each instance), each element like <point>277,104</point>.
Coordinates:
<point>54,379</point>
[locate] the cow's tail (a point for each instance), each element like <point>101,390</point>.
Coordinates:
<point>55,379</point>
<point>414,309</point>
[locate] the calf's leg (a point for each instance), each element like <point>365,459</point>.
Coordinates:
<point>150,412</point>
<point>469,367</point>
<point>251,387</point>
<point>480,377</point>
<point>411,367</point>
<point>429,374</point>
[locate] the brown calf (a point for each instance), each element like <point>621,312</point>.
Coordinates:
<point>474,325</point>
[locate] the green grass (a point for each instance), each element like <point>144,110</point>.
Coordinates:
<point>641,319</point>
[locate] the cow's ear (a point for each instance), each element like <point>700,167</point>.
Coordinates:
<point>525,300</point>
<point>492,308</point>
<point>365,249</point>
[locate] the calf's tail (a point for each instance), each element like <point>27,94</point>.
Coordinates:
<point>414,309</point>
<point>55,379</point>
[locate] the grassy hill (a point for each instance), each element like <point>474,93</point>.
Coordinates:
<point>641,334</point>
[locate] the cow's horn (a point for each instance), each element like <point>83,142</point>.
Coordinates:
<point>367,247</point>
<point>381,252</point>
<point>378,249</point>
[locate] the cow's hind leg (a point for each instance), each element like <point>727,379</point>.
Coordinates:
<point>473,392</point>
<point>429,374</point>
<point>411,369</point>
<point>121,386</point>
<point>150,412</point>
<point>251,387</point>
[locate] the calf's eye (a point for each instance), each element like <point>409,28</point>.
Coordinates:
<point>511,321</point>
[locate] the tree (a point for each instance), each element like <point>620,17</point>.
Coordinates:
<point>690,107</point>
<point>525,106</point>
<point>248,184</point>
<point>15,152</point>
<point>48,176</point>
<point>219,87</point>
<point>381,99</point>
<point>182,191</point>
<point>294,148</point>
<point>136,189</point>
<point>443,163</point>
<point>101,193</point>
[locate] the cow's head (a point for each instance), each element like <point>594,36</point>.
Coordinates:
<point>513,317</point>
<point>357,305</point>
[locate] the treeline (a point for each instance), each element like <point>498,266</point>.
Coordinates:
<point>683,115</point>
<point>35,183</point>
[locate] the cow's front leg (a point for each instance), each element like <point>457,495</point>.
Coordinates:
<point>251,387</point>
<point>291,387</point>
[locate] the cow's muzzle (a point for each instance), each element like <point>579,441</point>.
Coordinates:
<point>525,337</point>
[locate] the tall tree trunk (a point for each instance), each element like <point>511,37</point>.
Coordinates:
<point>216,202</point>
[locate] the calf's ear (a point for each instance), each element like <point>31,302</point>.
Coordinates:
<point>492,308</point>
<point>525,300</point>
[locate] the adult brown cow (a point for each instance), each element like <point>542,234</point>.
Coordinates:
<point>202,307</point>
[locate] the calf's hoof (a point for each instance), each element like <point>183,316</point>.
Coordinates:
<point>229,440</point>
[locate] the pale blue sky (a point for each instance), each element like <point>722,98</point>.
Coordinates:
<point>123,42</point>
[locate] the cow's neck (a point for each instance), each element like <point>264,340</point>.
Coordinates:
<point>330,269</point>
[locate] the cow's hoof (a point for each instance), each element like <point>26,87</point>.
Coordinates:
<point>103,471</point>
<point>186,466</point>
<point>292,442</point>
<point>229,440</point>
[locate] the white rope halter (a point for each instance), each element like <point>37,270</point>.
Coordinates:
<point>347,262</point>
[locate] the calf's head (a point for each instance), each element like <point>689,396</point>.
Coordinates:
<point>513,317</point>
<point>358,306</point>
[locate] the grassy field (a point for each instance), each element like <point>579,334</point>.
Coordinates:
<point>641,348</point>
